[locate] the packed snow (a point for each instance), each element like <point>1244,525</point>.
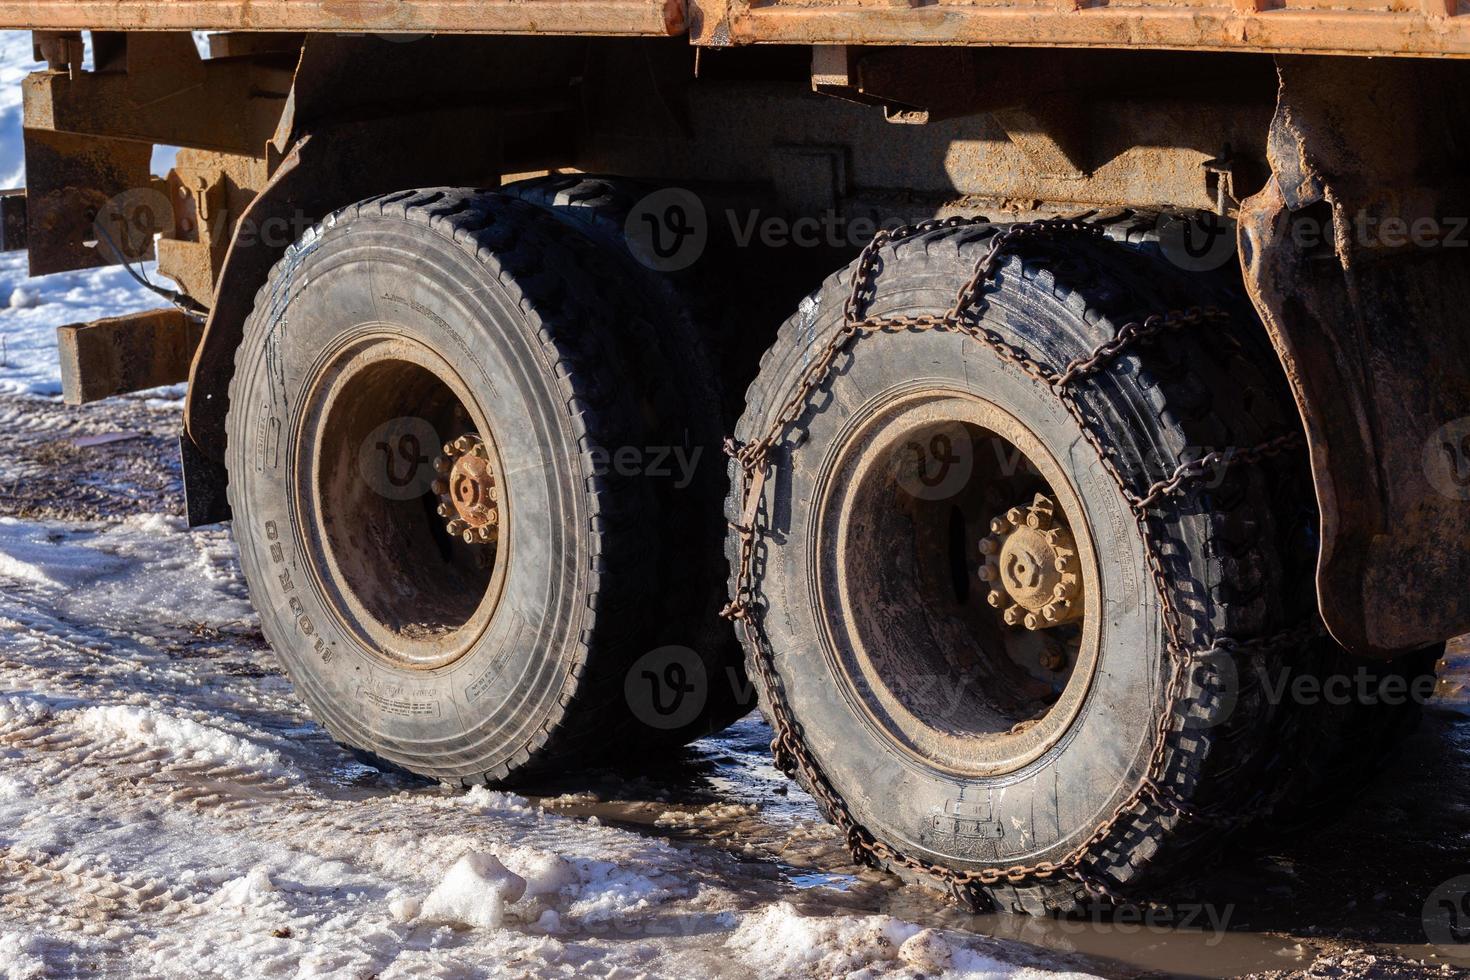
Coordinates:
<point>167,809</point>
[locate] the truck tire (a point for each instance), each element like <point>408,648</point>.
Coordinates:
<point>704,278</point>
<point>692,417</point>
<point>957,741</point>
<point>446,330</point>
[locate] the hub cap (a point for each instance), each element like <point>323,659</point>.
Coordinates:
<point>469,498</point>
<point>1031,567</point>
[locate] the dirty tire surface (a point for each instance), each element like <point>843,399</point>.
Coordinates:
<point>548,330</point>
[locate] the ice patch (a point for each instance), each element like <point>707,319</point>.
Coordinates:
<point>608,890</point>
<point>20,957</point>
<point>778,941</point>
<point>248,890</point>
<point>43,556</point>
<point>182,737</point>
<point>146,567</point>
<point>474,893</point>
<point>19,711</point>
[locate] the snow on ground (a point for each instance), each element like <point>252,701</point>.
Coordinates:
<point>15,63</point>
<point>167,809</point>
<point>32,308</point>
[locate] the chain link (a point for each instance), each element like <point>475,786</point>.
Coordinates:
<point>788,748</point>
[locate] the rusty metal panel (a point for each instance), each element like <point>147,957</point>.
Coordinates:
<point>126,353</point>
<point>1439,28</point>
<point>78,184</point>
<point>1370,325</point>
<point>589,17</point>
<point>154,88</point>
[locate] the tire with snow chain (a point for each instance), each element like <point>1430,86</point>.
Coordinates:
<point>892,571</point>
<point>1332,742</point>
<point>458,548</point>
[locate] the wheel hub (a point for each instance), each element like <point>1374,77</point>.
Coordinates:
<point>1031,567</point>
<point>469,495</point>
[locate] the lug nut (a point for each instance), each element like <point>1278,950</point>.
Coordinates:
<point>1030,567</point>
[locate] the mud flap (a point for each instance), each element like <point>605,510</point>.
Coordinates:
<point>1360,268</point>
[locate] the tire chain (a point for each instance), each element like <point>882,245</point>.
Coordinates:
<point>791,754</point>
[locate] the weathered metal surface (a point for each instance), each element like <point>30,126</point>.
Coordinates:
<point>154,88</point>
<point>208,192</point>
<point>591,17</point>
<point>468,492</point>
<point>1357,255</point>
<point>1425,28</point>
<point>12,221</point>
<point>1030,566</point>
<point>125,353</point>
<point>76,185</point>
<point>89,135</point>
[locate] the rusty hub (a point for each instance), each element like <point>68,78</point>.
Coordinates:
<point>469,496</point>
<point>1031,567</point>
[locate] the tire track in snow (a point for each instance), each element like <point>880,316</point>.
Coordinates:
<point>68,893</point>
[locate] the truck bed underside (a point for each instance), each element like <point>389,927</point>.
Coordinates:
<point>1424,28</point>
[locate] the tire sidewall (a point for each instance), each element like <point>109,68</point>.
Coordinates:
<point>1048,806</point>
<point>494,702</point>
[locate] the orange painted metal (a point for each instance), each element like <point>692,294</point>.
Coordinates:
<point>590,17</point>
<point>1425,28</point>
